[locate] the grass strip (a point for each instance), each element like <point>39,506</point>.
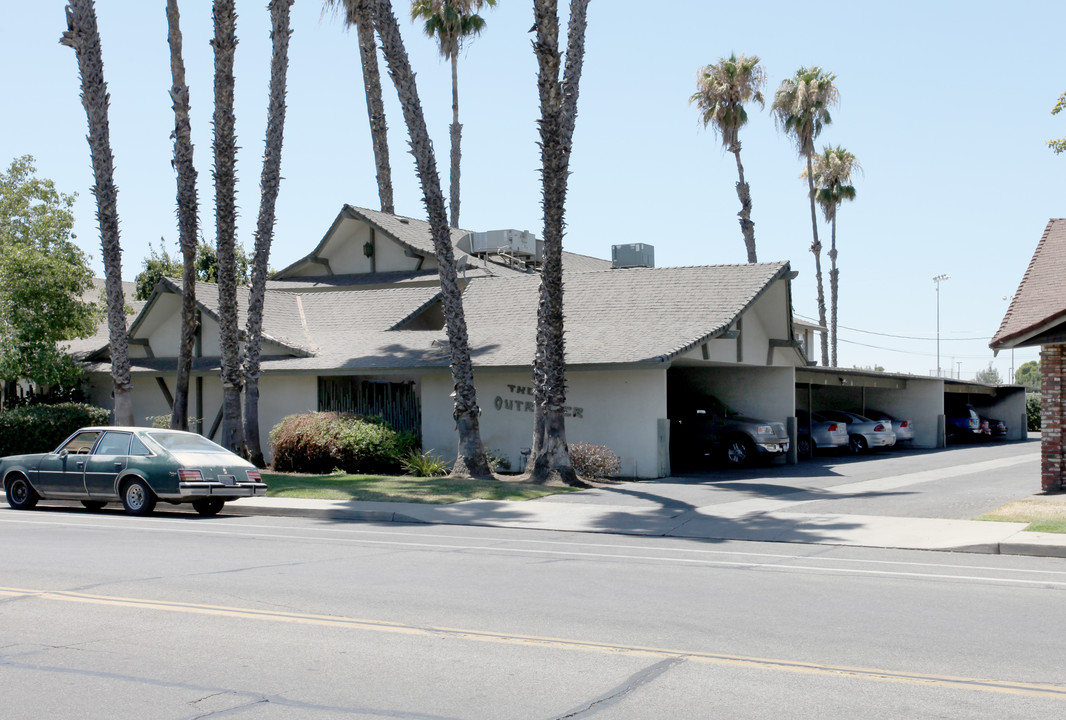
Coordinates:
<point>401,488</point>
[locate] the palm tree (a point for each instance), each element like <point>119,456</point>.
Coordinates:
<point>452,22</point>
<point>269,185</point>
<point>801,109</point>
<point>225,149</point>
<point>471,458</point>
<point>188,205</point>
<point>722,91</point>
<point>83,36</point>
<point>832,175</point>
<point>550,455</point>
<point>359,13</point>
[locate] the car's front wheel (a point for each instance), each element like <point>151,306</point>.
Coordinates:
<point>739,451</point>
<point>20,494</point>
<point>208,506</point>
<point>804,447</point>
<point>138,498</point>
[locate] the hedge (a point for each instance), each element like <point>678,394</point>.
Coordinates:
<point>321,442</point>
<point>40,428</point>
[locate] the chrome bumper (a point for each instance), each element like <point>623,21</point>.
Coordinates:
<point>207,489</point>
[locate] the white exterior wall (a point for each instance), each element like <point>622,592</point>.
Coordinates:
<point>279,397</point>
<point>921,402</point>
<point>165,337</point>
<point>619,409</point>
<point>765,393</point>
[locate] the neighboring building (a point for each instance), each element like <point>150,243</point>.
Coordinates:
<point>1037,317</point>
<point>357,326</point>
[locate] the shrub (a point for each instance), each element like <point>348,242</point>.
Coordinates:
<point>424,463</point>
<point>1032,412</point>
<point>321,442</point>
<point>40,428</point>
<point>594,461</point>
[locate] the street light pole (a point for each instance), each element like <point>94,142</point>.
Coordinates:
<point>937,280</point>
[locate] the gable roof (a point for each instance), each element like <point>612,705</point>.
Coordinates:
<point>82,347</point>
<point>1039,305</point>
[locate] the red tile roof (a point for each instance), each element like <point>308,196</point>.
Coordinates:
<point>1040,301</point>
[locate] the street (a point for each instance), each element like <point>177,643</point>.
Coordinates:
<point>174,616</point>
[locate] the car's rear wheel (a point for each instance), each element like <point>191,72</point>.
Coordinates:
<point>857,444</point>
<point>20,494</point>
<point>208,506</point>
<point>739,451</point>
<point>138,498</point>
<point>94,504</point>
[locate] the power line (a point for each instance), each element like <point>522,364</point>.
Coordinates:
<point>901,337</point>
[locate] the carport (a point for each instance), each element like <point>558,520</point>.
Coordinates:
<point>910,397</point>
<point>756,391</point>
<point>1003,402</point>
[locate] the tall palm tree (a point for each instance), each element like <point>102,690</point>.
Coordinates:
<point>722,91</point>
<point>801,109</point>
<point>83,36</point>
<point>269,185</point>
<point>360,14</point>
<point>471,458</point>
<point>225,149</point>
<point>832,175</point>
<point>452,22</point>
<point>188,208</point>
<point>550,455</point>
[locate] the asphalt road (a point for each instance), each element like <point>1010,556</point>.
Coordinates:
<point>174,616</point>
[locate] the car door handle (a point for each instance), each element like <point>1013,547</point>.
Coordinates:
<point>81,466</point>
<point>118,466</point>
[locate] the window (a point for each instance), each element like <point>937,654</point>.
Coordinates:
<point>114,443</point>
<point>184,442</point>
<point>138,448</point>
<point>81,443</point>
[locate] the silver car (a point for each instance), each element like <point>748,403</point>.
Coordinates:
<point>863,433</point>
<point>904,429</point>
<point>815,432</point>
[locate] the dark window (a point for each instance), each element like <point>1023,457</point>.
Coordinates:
<point>138,448</point>
<point>114,443</point>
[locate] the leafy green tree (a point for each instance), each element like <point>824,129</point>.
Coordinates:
<point>723,89</point>
<point>452,22</point>
<point>801,109</point>
<point>1028,375</point>
<point>1058,145</point>
<point>44,279</point>
<point>989,376</point>
<point>1032,412</point>
<point>870,368</point>
<point>160,264</point>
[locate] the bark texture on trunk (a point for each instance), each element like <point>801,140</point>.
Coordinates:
<point>747,227</point>
<point>549,459</point>
<point>225,148</point>
<point>188,208</point>
<point>816,248</point>
<point>833,275</point>
<point>84,37</point>
<point>269,184</point>
<point>456,131</point>
<point>471,458</point>
<point>375,106</point>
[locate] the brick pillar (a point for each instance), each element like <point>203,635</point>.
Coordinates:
<point>1052,365</point>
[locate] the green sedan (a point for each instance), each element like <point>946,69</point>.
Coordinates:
<point>132,465</point>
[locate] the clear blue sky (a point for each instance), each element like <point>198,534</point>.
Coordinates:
<point>946,104</point>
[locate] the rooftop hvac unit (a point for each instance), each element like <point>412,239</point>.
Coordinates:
<point>633,255</point>
<point>515,241</point>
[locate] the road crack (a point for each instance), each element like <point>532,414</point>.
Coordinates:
<point>634,682</point>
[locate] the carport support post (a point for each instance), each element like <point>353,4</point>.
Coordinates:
<point>793,448</point>
<point>941,432</point>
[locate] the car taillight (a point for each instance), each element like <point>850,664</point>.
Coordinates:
<point>190,476</point>
<point>834,427</point>
<point>904,423</point>
<point>879,427</point>
<point>254,476</point>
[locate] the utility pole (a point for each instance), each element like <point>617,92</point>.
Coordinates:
<point>937,280</point>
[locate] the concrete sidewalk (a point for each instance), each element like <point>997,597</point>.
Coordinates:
<point>707,523</point>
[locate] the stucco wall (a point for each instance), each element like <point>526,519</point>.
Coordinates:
<point>921,402</point>
<point>761,392</point>
<point>619,409</point>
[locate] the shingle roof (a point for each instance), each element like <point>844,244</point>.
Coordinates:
<point>630,316</point>
<point>83,346</point>
<point>1040,301</point>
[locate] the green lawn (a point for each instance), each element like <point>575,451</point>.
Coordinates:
<point>1042,516</point>
<point>401,488</point>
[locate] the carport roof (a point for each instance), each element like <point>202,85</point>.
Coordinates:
<point>1037,312</point>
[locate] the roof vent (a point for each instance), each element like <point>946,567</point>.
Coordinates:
<point>633,255</point>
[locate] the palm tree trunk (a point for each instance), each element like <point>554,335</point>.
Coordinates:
<point>225,147</point>
<point>457,137</point>
<point>747,227</point>
<point>187,218</point>
<point>816,248</point>
<point>83,36</point>
<point>833,274</point>
<point>269,186</point>
<point>375,107</point>
<point>550,454</point>
<point>471,458</point>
